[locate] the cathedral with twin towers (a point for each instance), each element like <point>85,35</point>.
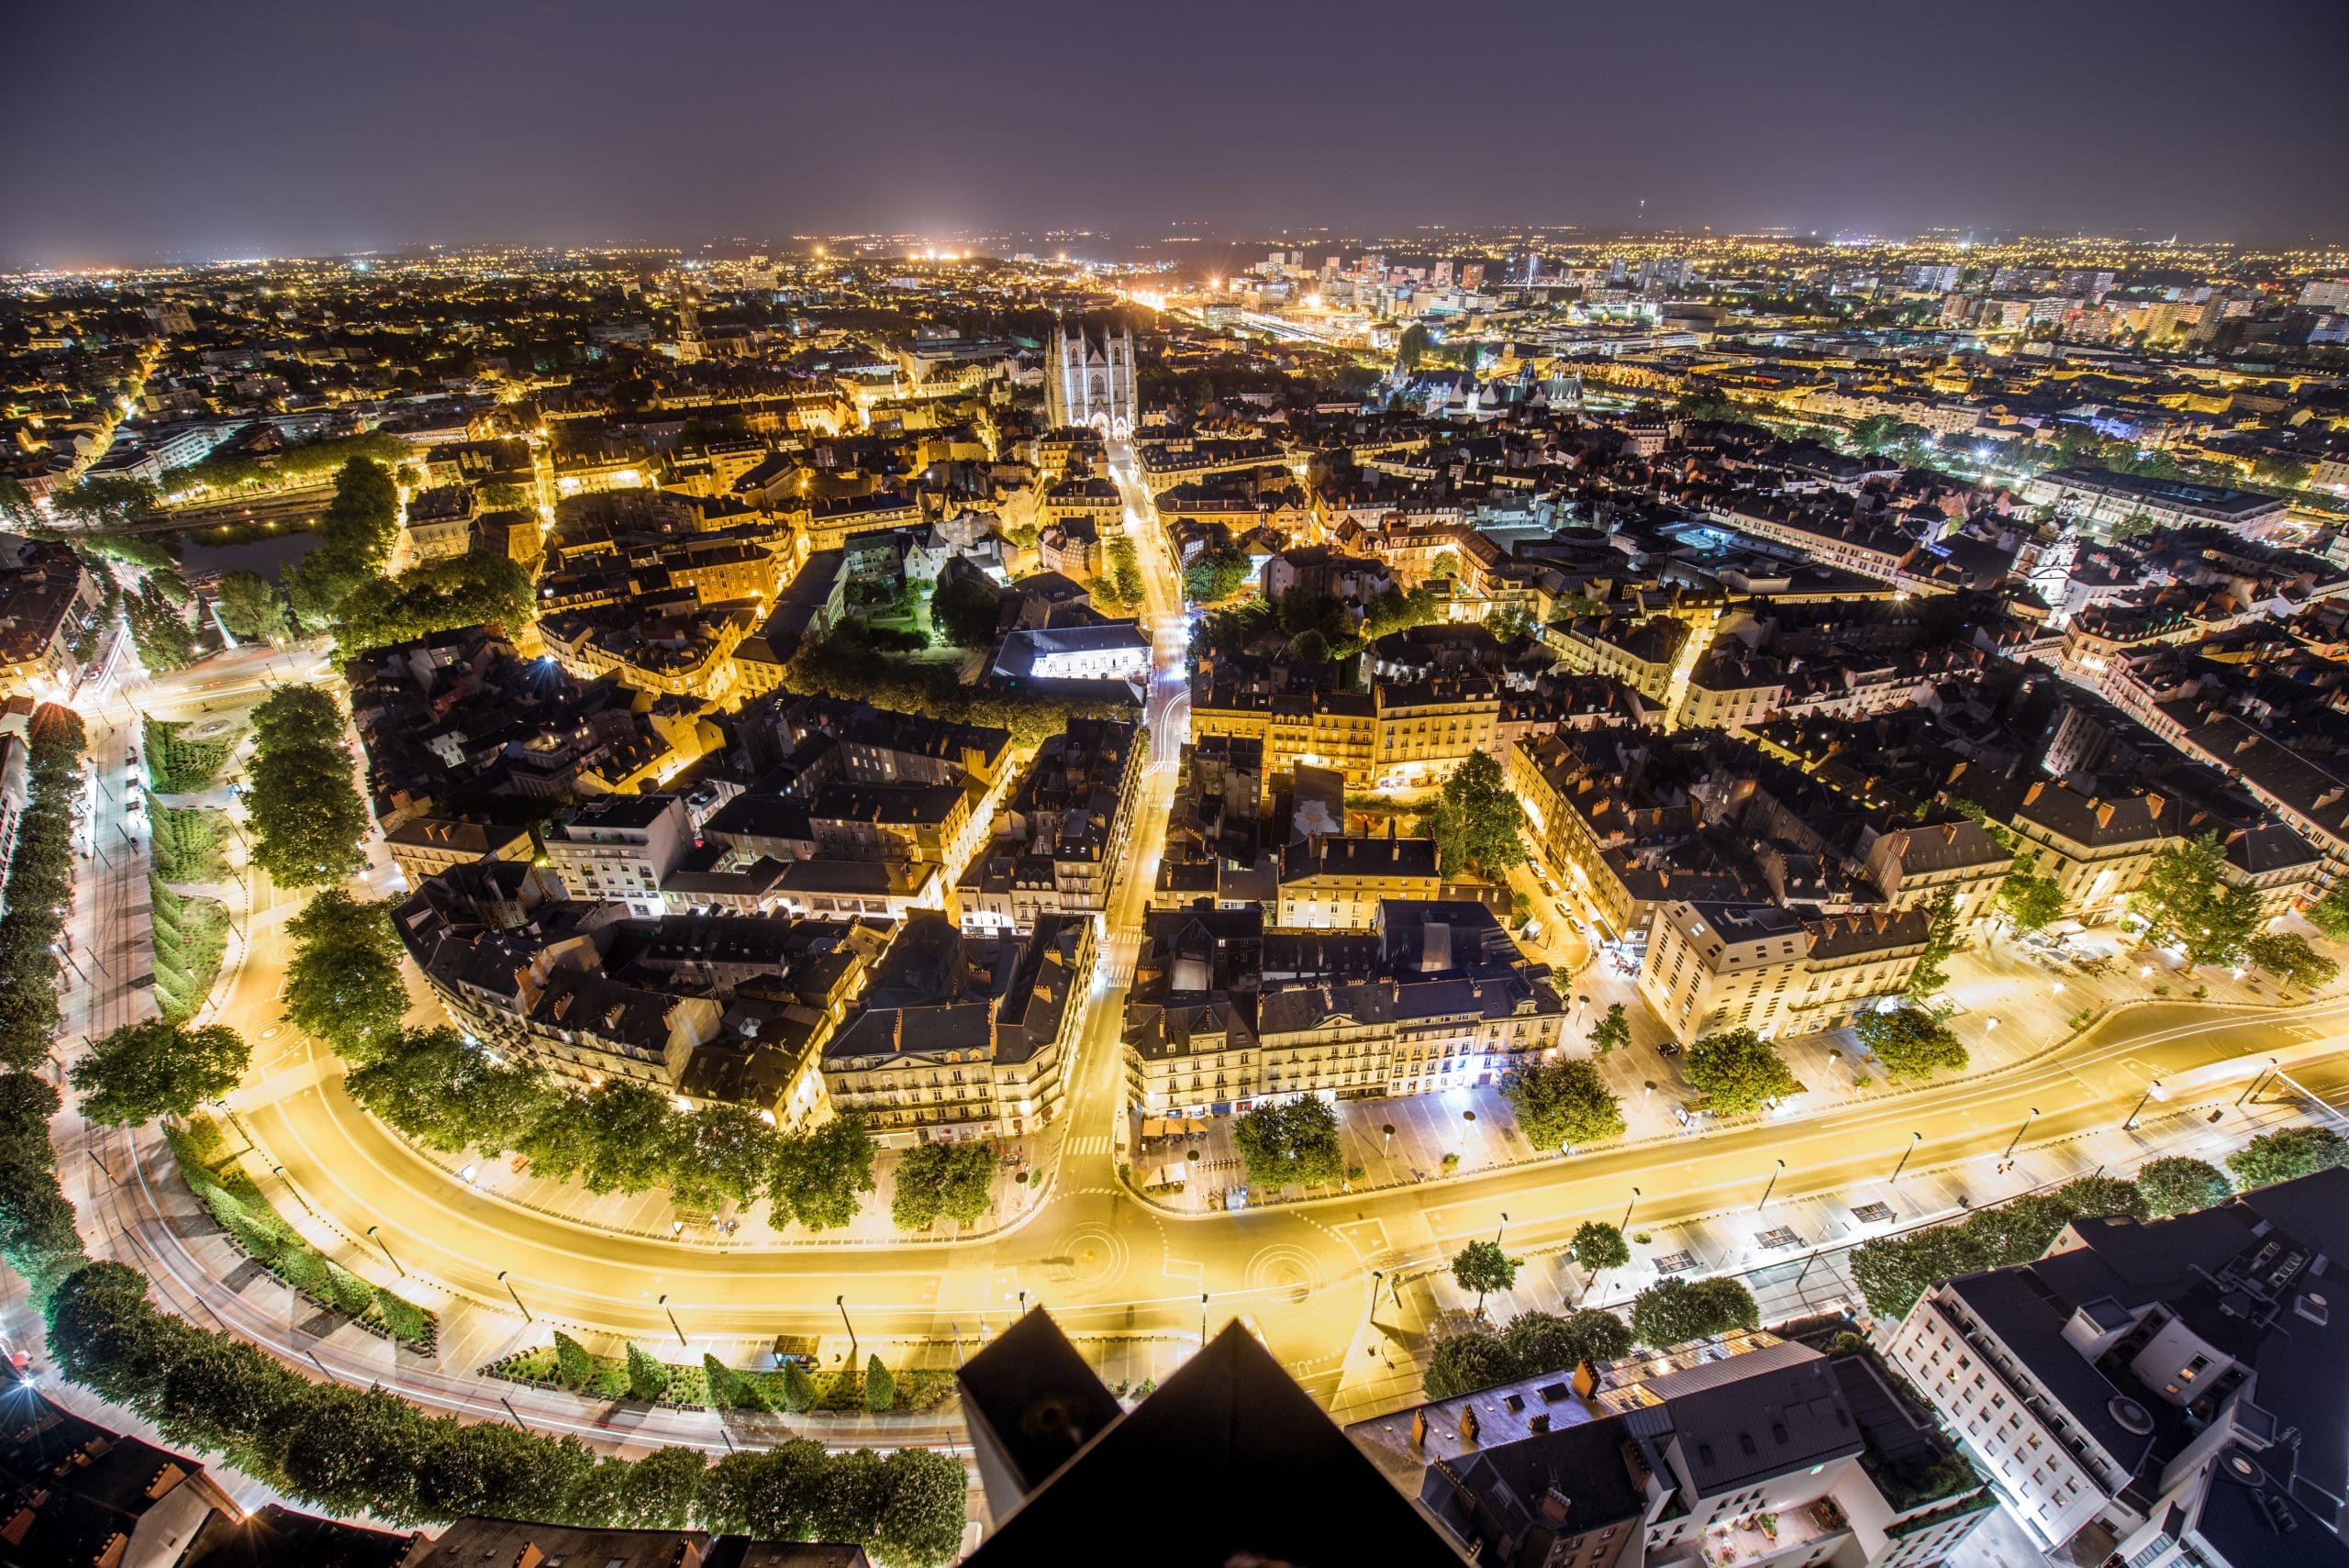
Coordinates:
<point>1091,385</point>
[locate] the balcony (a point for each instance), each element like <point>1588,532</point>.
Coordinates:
<point>1749,1538</point>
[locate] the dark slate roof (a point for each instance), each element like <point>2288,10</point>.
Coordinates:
<point>1273,1479</point>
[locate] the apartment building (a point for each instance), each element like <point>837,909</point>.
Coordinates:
<point>1639,653</point>
<point>617,848</point>
<point>426,846</point>
<point>1322,730</point>
<point>1913,867</point>
<point>1425,728</point>
<point>1332,881</point>
<point>2096,849</point>
<point>2156,1394</point>
<point>1739,1450</point>
<point>1713,966</point>
<point>962,1036</point>
<point>1222,1016</point>
<point>2101,496</point>
<point>1058,839</point>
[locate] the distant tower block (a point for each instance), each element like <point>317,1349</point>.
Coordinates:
<point>1089,385</point>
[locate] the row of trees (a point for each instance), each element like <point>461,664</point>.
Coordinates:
<point>291,467</point>
<point>464,590</point>
<point>343,986</point>
<point>38,888</point>
<point>846,665</point>
<point>1672,1311</point>
<point>307,817</point>
<point>351,1450</point>
<point>356,532</point>
<point>1893,1271</point>
<point>37,1237</point>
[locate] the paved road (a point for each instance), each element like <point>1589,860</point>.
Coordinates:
<point>1107,1263</point>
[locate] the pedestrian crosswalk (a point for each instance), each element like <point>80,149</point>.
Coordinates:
<point>1093,1143</point>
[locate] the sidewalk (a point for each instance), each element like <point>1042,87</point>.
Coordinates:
<point>2005,1008</point>
<point>1793,1255</point>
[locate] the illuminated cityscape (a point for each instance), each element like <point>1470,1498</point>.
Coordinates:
<point>762,880</point>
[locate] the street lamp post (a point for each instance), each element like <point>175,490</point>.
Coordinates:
<point>2257,1079</point>
<point>1626,1225</point>
<point>2017,1139</point>
<point>1376,1276</point>
<point>1497,1229</point>
<point>841,1302</point>
<point>516,1295</point>
<point>2151,1089</point>
<point>1771,1187</point>
<point>1914,1139</point>
<point>374,1233</point>
<point>1203,1319</point>
<point>669,1313</point>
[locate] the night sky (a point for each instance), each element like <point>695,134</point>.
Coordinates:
<point>232,128</point>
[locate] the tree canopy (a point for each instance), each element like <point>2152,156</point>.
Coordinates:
<point>1483,1267</point>
<point>1292,1143</point>
<point>1474,821</point>
<point>1674,1310</point>
<point>1561,1102</point>
<point>952,1179</point>
<point>1739,1069</point>
<point>1910,1043</point>
<point>2189,903</point>
<point>2288,956</point>
<point>307,817</point>
<point>146,1070</point>
<point>2180,1185</point>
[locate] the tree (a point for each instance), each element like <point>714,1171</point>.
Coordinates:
<point>924,1497</point>
<point>953,1179</point>
<point>1483,1267</point>
<point>343,985</point>
<point>1600,1336</point>
<point>2189,903</point>
<point>307,814</point>
<point>2330,914</point>
<point>880,1388</point>
<point>734,1151</point>
<point>1599,1246</point>
<point>1940,940</point>
<point>1894,1271</point>
<point>646,1378</point>
<point>1562,1102</point>
<point>248,606</point>
<point>159,629</point>
<point>1674,1310</point>
<point>2179,1185</point>
<point>967,609</point>
<point>1910,1043</point>
<point>798,1388</point>
<point>1216,574</point>
<point>726,1386</point>
<point>1293,1144</point>
<point>463,590</point>
<point>1474,821</point>
<point>2286,1155</point>
<point>821,1173</point>
<point>1612,1032</point>
<point>1739,1069</point>
<point>2283,470</point>
<point>1411,348</point>
<point>2100,1197</point>
<point>573,1365</point>
<point>2028,899</point>
<point>628,1142</point>
<point>1465,1363</point>
<point>2287,956</point>
<point>143,1071</point>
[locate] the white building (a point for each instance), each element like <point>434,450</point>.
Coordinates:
<point>1089,385</point>
<point>2157,1394</point>
<point>619,849</point>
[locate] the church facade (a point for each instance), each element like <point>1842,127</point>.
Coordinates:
<point>1090,384</point>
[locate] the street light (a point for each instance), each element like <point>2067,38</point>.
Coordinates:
<point>2258,1078</point>
<point>2151,1089</point>
<point>1627,1210</point>
<point>841,1302</point>
<point>672,1315</point>
<point>1203,1319</point>
<point>1914,1139</point>
<point>2018,1132</point>
<point>516,1295</point>
<point>371,1231</point>
<point>1500,1228</point>
<point>1772,1188</point>
<point>1377,1276</point>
